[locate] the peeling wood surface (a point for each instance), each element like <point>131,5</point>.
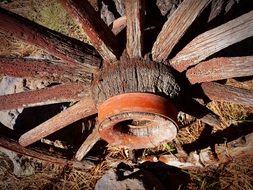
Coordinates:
<point>221,68</point>
<point>42,69</point>
<point>82,109</point>
<point>225,93</point>
<point>13,146</point>
<point>135,75</point>
<point>213,41</point>
<point>88,144</point>
<point>94,27</point>
<point>175,27</point>
<point>51,95</point>
<point>70,50</point>
<point>135,16</point>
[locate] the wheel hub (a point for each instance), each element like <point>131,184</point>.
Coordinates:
<point>137,120</point>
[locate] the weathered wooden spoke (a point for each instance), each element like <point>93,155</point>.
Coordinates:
<point>213,41</point>
<point>97,31</point>
<point>82,109</point>
<point>224,93</point>
<point>221,68</point>
<point>175,27</point>
<point>50,95</point>
<point>42,69</point>
<point>134,15</point>
<point>88,144</point>
<point>70,50</point>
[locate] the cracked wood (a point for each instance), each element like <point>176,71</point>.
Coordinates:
<point>221,68</point>
<point>213,41</point>
<point>134,15</point>
<point>175,27</point>
<point>70,50</point>
<point>52,95</point>
<point>225,93</point>
<point>99,34</point>
<point>43,69</point>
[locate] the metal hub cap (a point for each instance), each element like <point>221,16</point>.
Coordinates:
<point>137,120</point>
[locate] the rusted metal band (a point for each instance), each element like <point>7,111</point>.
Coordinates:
<point>137,120</point>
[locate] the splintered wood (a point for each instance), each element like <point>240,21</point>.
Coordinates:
<point>72,51</point>
<point>213,41</point>
<point>135,15</point>
<point>176,26</point>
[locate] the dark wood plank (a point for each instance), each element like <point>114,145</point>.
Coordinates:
<point>213,41</point>
<point>195,109</point>
<point>51,95</point>
<point>82,109</point>
<point>135,16</point>
<point>175,27</point>
<point>68,49</point>
<point>225,93</point>
<point>43,69</point>
<point>221,68</point>
<point>99,34</point>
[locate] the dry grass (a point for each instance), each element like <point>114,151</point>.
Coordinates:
<point>47,13</point>
<point>234,175</point>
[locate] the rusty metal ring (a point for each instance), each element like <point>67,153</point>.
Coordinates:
<point>137,120</point>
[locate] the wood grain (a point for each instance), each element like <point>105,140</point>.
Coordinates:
<point>135,16</point>
<point>213,41</point>
<point>87,144</point>
<point>99,34</point>
<point>221,68</point>
<point>82,109</point>
<point>175,27</point>
<point>43,69</point>
<point>225,93</point>
<point>70,50</point>
<point>50,95</point>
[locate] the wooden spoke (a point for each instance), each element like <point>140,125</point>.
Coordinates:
<point>84,108</point>
<point>195,109</point>
<point>42,69</point>
<point>175,27</point>
<point>88,144</point>
<point>224,93</point>
<point>221,68</point>
<point>68,49</point>
<point>213,41</point>
<point>134,15</point>
<point>52,95</point>
<point>11,145</point>
<point>96,30</point>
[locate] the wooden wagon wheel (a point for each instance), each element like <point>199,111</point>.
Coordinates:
<point>85,71</point>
